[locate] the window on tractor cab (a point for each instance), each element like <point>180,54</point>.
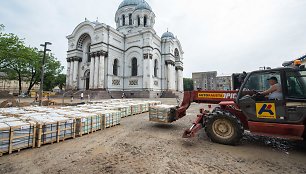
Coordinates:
<point>296,84</point>
<point>258,82</point>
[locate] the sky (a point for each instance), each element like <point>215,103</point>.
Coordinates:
<point>216,35</point>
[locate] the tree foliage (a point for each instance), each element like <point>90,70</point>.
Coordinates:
<point>11,47</point>
<point>61,81</point>
<point>23,63</point>
<point>188,84</point>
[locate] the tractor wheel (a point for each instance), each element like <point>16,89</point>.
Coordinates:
<point>216,109</point>
<point>224,128</point>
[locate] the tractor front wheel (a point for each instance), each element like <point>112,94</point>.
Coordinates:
<point>224,128</point>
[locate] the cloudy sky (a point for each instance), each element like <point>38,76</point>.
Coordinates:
<point>223,35</point>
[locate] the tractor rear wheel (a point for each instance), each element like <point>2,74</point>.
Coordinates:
<point>224,128</point>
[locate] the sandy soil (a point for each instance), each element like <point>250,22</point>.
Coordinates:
<point>139,146</point>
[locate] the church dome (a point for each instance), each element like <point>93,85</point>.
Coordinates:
<point>143,5</point>
<point>129,2</point>
<point>168,35</point>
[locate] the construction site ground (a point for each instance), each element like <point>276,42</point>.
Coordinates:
<point>140,146</point>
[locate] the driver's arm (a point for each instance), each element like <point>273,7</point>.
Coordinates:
<point>269,91</point>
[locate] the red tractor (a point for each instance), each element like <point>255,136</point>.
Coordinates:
<point>247,109</point>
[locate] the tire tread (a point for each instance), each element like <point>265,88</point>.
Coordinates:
<point>239,129</point>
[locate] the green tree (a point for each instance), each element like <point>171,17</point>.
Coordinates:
<point>188,84</point>
<point>24,63</point>
<point>61,81</point>
<point>11,47</point>
<point>53,69</point>
<point>33,68</point>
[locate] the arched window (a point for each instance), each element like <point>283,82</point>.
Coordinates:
<point>138,20</point>
<point>123,20</point>
<point>176,54</point>
<point>130,19</point>
<point>134,67</point>
<point>155,68</point>
<point>115,67</point>
<point>145,21</point>
<point>88,53</point>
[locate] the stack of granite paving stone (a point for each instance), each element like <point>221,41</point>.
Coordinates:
<point>162,113</point>
<point>35,126</point>
<point>15,134</point>
<point>51,127</point>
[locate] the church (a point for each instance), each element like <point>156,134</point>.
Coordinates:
<point>131,58</point>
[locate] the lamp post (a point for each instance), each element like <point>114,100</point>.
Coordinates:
<point>42,71</point>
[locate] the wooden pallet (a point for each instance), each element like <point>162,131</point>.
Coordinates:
<point>15,151</point>
<point>41,133</point>
<point>159,121</point>
<point>92,127</point>
<point>114,125</point>
<point>112,117</point>
<point>11,131</point>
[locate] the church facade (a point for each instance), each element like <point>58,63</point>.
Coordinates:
<point>131,58</point>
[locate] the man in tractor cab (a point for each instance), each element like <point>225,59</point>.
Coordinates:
<point>275,91</point>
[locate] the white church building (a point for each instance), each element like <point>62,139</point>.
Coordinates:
<point>131,58</point>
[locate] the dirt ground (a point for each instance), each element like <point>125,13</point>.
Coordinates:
<point>139,146</point>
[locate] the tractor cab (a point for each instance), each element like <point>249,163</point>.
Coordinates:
<point>269,102</point>
<point>288,108</point>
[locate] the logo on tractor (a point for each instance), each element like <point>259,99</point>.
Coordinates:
<point>266,110</point>
<point>216,95</point>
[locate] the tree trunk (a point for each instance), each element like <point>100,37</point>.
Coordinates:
<point>32,81</point>
<point>19,79</point>
<point>31,86</point>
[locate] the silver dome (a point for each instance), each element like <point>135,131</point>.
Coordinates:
<point>168,35</point>
<point>129,2</point>
<point>143,5</point>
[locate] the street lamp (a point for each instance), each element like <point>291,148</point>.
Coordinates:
<point>42,71</point>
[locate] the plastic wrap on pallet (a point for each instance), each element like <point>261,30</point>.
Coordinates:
<point>111,117</point>
<point>122,109</point>
<point>52,127</point>
<point>162,113</point>
<point>24,133</point>
<point>97,122</point>
<point>18,135</point>
<point>4,137</point>
<point>109,121</point>
<point>116,117</point>
<point>144,106</point>
<point>135,108</point>
<point>86,122</point>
